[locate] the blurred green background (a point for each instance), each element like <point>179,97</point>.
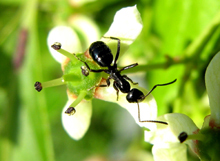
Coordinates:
<point>178,40</point>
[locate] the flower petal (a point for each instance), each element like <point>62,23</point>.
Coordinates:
<point>212,80</point>
<point>76,125</point>
<point>148,107</point>
<point>177,123</point>
<point>127,25</point>
<point>169,152</point>
<point>148,110</point>
<point>89,31</point>
<point>68,39</point>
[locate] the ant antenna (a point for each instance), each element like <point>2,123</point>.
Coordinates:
<point>153,121</point>
<point>142,98</point>
<point>155,87</point>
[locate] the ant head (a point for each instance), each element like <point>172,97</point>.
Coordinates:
<point>101,53</point>
<point>135,95</point>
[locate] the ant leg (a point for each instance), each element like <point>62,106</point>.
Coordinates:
<point>129,79</point>
<point>118,48</point>
<point>153,121</point>
<point>128,67</point>
<point>91,70</point>
<point>156,86</point>
<point>105,85</point>
<point>102,85</point>
<point>116,88</point>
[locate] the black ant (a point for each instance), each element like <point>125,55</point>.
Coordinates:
<point>102,55</point>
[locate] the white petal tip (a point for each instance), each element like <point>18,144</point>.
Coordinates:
<point>127,24</point>
<point>76,125</point>
<point>68,39</point>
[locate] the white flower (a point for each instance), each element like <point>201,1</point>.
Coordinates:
<point>126,26</point>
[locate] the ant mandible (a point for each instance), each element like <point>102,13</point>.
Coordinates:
<point>102,55</point>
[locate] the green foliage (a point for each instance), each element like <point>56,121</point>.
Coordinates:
<point>178,40</point>
<point>208,147</point>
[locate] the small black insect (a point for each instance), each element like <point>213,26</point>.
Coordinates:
<point>102,55</point>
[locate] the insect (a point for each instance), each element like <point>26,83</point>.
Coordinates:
<point>102,55</point>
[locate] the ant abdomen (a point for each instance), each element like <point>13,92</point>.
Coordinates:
<point>101,53</point>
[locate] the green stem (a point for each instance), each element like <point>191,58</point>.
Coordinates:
<point>80,97</point>
<point>164,65</point>
<point>195,49</point>
<point>39,120</point>
<point>196,137</point>
<point>52,83</point>
<point>67,54</point>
